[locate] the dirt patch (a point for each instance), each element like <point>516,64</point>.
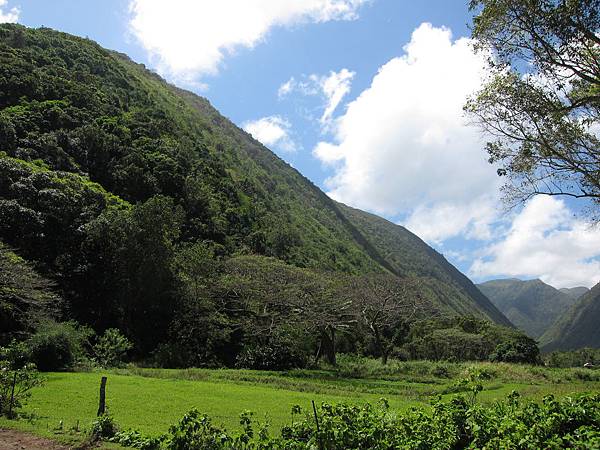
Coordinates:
<point>18,440</point>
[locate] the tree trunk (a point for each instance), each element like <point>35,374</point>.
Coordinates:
<point>327,346</point>
<point>384,357</point>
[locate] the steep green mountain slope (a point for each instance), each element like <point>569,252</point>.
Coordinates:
<point>579,327</point>
<point>531,305</point>
<point>575,292</point>
<point>107,173</point>
<point>408,255</point>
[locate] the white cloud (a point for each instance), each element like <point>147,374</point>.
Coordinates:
<point>187,38</point>
<point>332,87</point>
<point>272,131</point>
<point>545,241</point>
<point>10,16</point>
<point>403,147</point>
<point>472,219</point>
<point>286,88</point>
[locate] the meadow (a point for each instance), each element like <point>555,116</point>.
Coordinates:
<point>150,400</point>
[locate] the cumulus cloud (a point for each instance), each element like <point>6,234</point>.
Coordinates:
<point>10,16</point>
<point>273,132</point>
<point>472,219</point>
<point>545,241</point>
<point>187,38</point>
<point>332,87</point>
<point>402,148</point>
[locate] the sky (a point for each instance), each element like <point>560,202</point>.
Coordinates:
<point>363,97</point>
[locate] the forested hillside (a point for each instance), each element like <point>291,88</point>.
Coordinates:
<point>579,327</point>
<point>531,305</point>
<point>410,256</point>
<point>152,213</point>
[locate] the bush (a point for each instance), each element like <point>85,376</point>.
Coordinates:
<point>111,347</point>
<point>522,350</point>
<point>274,356</point>
<point>57,346</point>
<point>456,423</point>
<point>104,428</point>
<point>573,358</point>
<point>14,369</point>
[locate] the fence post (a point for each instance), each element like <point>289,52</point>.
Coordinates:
<point>317,422</point>
<point>102,403</point>
<point>12,395</point>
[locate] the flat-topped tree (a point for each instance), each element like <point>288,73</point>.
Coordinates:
<point>385,305</point>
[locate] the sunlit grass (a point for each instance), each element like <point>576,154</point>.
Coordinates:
<point>150,400</point>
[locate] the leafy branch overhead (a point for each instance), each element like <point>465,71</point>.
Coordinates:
<point>541,104</point>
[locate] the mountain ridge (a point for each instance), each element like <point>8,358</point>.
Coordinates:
<point>103,161</point>
<point>578,327</point>
<point>531,305</point>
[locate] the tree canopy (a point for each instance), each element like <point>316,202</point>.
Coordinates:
<point>541,104</point>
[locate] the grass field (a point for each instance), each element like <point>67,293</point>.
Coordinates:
<point>150,400</point>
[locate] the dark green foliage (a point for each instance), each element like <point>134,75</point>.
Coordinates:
<point>56,346</point>
<point>523,350</point>
<point>137,198</point>
<point>573,358</point>
<point>25,297</point>
<point>531,305</point>
<point>465,338</point>
<point>452,424</point>
<point>276,355</point>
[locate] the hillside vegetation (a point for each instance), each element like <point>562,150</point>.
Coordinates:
<point>531,305</point>
<point>579,327</point>
<point>150,212</point>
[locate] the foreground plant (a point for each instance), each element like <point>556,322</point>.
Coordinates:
<point>17,378</point>
<point>573,422</point>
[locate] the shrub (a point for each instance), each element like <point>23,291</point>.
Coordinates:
<point>15,371</point>
<point>104,428</point>
<point>440,371</point>
<point>274,356</point>
<point>57,345</point>
<point>456,423</point>
<point>111,347</point>
<point>522,350</point>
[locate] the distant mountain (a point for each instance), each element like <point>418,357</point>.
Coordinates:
<point>579,327</point>
<point>532,305</point>
<point>575,292</point>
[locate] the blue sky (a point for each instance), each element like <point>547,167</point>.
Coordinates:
<point>361,96</point>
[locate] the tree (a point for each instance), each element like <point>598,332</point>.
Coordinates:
<point>111,347</point>
<point>270,297</point>
<point>541,104</point>
<point>25,296</point>
<point>200,329</point>
<point>385,304</point>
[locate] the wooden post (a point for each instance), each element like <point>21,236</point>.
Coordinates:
<point>317,422</point>
<point>102,403</point>
<point>12,395</point>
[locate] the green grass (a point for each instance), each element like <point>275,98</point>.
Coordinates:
<point>150,400</point>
